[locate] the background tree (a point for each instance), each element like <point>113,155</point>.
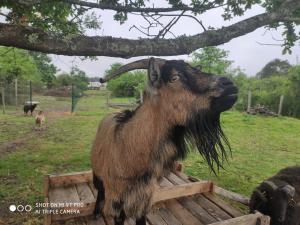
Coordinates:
<point>17,63</point>
<point>275,67</point>
<point>127,85</point>
<point>45,68</point>
<point>79,78</point>
<point>212,60</point>
<point>60,26</point>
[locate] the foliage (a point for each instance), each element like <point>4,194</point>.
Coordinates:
<point>127,85</point>
<point>66,20</point>
<point>79,78</point>
<point>76,77</point>
<point>58,17</point>
<point>267,91</point>
<point>45,68</point>
<point>212,60</point>
<point>294,76</point>
<point>273,68</point>
<point>17,63</point>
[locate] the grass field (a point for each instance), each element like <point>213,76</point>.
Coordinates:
<point>260,147</point>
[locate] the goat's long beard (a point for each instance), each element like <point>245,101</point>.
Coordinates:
<point>204,131</point>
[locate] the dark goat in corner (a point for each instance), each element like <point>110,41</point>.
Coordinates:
<point>29,107</point>
<point>279,197</point>
<point>134,149</point>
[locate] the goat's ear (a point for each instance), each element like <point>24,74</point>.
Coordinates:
<point>289,190</point>
<point>154,73</point>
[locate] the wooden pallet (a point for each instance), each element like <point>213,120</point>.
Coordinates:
<point>179,201</point>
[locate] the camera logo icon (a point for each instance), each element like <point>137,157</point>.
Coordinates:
<point>20,208</point>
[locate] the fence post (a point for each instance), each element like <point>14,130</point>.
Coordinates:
<point>107,98</point>
<point>72,97</point>
<point>280,105</point>
<point>3,98</point>
<point>141,96</point>
<point>16,93</point>
<point>30,92</point>
<point>249,101</point>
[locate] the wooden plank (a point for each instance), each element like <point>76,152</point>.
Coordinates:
<point>91,221</point>
<point>47,217</point>
<point>220,191</point>
<point>223,205</point>
<point>64,195</point>
<point>155,219</point>
<point>233,196</point>
<point>217,201</point>
<point>94,190</point>
<point>85,193</point>
<point>199,212</point>
<point>168,217</point>
<point>181,213</point>
<point>211,208</point>
<point>250,219</point>
<point>70,178</point>
<point>165,193</point>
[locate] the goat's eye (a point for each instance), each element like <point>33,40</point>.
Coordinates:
<point>174,78</point>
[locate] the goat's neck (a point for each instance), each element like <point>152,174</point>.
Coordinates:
<point>148,127</point>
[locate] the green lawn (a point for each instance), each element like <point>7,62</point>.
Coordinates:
<point>260,147</point>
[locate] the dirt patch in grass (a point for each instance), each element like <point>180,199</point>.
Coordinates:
<point>11,146</point>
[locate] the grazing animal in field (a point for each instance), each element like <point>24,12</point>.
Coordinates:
<point>40,119</point>
<point>29,107</point>
<point>279,197</point>
<point>134,149</point>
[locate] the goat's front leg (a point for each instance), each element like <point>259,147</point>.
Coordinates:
<point>121,219</point>
<point>141,221</point>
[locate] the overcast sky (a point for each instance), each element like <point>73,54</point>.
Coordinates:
<point>245,51</point>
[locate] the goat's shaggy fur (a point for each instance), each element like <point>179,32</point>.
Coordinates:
<point>265,199</point>
<point>40,119</point>
<point>134,149</point>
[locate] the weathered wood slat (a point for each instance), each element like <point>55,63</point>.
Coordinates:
<point>94,190</point>
<point>168,217</point>
<point>70,178</point>
<point>217,201</point>
<point>91,221</point>
<point>155,219</point>
<point>181,213</point>
<point>189,203</point>
<point>187,189</point>
<point>211,208</point>
<point>64,195</point>
<point>85,193</point>
<point>251,219</point>
<point>233,196</point>
<point>223,205</point>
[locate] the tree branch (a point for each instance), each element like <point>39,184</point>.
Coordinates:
<point>37,40</point>
<point>125,8</point>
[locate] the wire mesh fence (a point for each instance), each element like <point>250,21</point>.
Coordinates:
<point>18,93</point>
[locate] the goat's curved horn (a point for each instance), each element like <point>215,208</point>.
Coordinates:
<point>271,184</point>
<point>289,190</point>
<point>139,64</point>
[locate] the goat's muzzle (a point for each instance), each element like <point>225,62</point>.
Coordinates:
<point>228,94</point>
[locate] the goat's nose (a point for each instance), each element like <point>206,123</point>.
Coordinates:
<point>224,81</point>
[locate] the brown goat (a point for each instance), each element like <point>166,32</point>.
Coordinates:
<point>134,149</point>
